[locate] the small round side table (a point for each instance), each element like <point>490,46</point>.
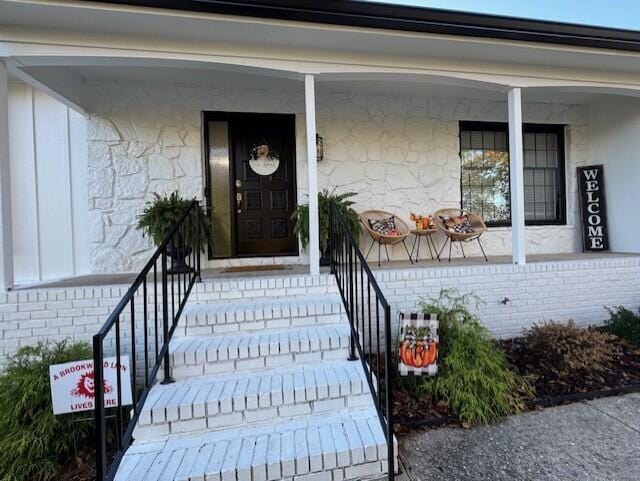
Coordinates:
<point>419,234</point>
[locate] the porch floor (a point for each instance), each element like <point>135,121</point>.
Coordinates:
<point>459,261</point>
<point>426,263</point>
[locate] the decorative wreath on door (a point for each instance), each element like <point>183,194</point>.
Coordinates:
<point>264,159</point>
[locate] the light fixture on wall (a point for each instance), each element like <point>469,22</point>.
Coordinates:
<point>319,148</point>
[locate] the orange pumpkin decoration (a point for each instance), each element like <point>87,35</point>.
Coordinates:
<point>431,355</point>
<point>421,353</point>
<point>405,353</point>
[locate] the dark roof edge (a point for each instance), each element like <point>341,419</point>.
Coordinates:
<point>409,18</point>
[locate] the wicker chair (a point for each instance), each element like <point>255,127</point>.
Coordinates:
<point>381,239</point>
<point>479,228</point>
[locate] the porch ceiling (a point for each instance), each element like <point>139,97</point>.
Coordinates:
<point>72,77</point>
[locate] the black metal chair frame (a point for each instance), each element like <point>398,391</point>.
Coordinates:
<point>373,241</point>
<point>461,242</point>
<point>430,243</point>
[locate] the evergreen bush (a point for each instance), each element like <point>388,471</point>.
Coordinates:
<point>33,442</point>
<point>474,376</point>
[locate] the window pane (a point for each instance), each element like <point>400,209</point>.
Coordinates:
<point>467,159</point>
<point>485,173</point>
<point>465,140</point>
<point>476,140</point>
<point>488,140</point>
<point>530,141</point>
<point>529,158</point>
<point>220,194</point>
<point>485,170</point>
<point>540,185</point>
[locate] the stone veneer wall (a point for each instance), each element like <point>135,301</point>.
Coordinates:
<point>398,154</point>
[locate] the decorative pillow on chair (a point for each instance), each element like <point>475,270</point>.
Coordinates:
<point>448,222</point>
<point>384,226</point>
<point>463,225</point>
<point>459,224</point>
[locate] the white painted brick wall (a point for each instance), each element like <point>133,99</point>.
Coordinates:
<point>538,291</point>
<point>558,290</point>
<point>77,313</point>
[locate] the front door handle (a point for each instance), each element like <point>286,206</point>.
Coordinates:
<point>239,202</point>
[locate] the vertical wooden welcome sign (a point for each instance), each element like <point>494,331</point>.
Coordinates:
<point>593,207</point>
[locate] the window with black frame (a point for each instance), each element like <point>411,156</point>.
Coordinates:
<point>485,182</point>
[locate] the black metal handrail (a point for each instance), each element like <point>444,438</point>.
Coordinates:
<point>148,313</point>
<point>369,317</point>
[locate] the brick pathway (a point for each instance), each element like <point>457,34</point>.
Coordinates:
<point>593,441</point>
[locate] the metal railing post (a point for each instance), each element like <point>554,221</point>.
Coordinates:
<point>165,319</point>
<point>389,390</point>
<point>101,424</point>
<point>198,242</point>
<point>345,266</point>
<point>332,265</point>
<point>108,458</point>
<point>352,342</point>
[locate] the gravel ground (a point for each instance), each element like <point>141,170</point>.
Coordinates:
<point>591,441</point>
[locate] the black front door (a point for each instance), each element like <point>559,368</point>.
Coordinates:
<point>263,184</point>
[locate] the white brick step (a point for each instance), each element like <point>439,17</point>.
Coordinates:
<point>226,353</point>
<point>202,318</point>
<point>346,446</point>
<point>284,284</point>
<point>214,402</point>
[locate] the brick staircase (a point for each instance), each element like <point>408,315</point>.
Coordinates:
<point>263,391</point>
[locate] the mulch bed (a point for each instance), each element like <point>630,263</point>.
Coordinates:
<point>625,373</point>
<point>411,412</point>
<point>81,468</point>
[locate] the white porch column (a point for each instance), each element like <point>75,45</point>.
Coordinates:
<point>6,243</point>
<point>516,154</point>
<point>312,166</point>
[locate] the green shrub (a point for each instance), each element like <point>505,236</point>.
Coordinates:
<point>34,442</point>
<point>625,324</point>
<point>474,377</point>
<point>563,354</point>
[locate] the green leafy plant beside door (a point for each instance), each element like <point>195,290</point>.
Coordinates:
<point>162,213</point>
<point>344,205</point>
<point>159,218</point>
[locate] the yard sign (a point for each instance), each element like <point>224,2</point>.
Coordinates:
<point>72,385</point>
<point>418,344</point>
<point>595,235</point>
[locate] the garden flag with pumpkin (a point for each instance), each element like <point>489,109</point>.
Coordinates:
<point>418,344</point>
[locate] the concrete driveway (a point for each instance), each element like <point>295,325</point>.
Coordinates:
<point>591,441</point>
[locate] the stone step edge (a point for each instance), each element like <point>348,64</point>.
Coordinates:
<point>213,403</point>
<point>195,356</point>
<point>202,318</point>
<point>350,446</point>
<point>264,287</point>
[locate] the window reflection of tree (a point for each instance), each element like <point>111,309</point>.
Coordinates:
<point>486,183</point>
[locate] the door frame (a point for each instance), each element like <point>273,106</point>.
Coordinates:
<point>216,115</point>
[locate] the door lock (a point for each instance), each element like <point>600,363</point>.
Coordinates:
<point>239,201</point>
